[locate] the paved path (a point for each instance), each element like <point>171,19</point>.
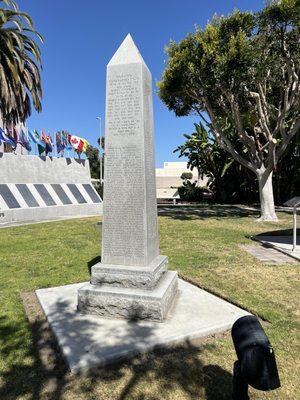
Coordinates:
<point>281,243</point>
<point>267,255</point>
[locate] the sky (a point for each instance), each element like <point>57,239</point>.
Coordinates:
<point>80,37</point>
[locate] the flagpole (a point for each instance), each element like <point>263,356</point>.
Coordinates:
<point>100,150</point>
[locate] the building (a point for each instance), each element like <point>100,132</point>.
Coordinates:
<point>168,179</point>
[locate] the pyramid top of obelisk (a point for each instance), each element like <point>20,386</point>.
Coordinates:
<point>127,53</point>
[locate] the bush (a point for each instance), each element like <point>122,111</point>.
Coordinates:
<point>186,176</point>
<point>190,192</point>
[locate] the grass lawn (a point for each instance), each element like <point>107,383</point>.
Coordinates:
<point>204,248</point>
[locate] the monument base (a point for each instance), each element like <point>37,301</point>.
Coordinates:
<point>89,341</point>
<point>130,277</point>
<point>130,303</point>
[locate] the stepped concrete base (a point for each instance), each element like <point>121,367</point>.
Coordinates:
<point>88,341</point>
<point>130,277</point>
<point>130,303</point>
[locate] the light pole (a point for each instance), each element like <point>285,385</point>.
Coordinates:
<point>100,150</point>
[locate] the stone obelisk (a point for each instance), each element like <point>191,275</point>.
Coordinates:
<point>132,280</point>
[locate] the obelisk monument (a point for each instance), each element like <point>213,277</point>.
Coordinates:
<point>132,280</point>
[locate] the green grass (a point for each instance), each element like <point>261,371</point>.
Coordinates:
<point>204,248</point>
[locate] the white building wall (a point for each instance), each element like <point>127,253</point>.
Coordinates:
<point>169,175</point>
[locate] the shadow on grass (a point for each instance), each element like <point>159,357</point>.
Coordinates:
<point>47,376</point>
<point>279,232</point>
<point>192,213</point>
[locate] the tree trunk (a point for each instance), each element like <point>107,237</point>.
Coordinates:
<point>198,177</point>
<point>266,196</point>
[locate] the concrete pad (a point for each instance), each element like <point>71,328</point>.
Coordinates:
<point>88,340</point>
<point>267,255</point>
<point>284,244</point>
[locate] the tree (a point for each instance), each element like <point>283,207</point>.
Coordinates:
<point>194,148</point>
<point>92,154</point>
<point>20,62</point>
<point>186,176</point>
<point>288,166</point>
<point>241,76</point>
<point>226,179</point>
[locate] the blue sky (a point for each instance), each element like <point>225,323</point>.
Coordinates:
<point>81,37</point>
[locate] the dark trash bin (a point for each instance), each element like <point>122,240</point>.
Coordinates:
<point>256,365</point>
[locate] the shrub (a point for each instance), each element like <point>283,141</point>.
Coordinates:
<point>190,192</point>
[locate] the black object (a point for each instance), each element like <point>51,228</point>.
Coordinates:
<point>239,385</point>
<point>256,365</point>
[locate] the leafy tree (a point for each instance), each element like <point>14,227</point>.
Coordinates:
<point>20,62</point>
<point>226,179</point>
<point>185,176</point>
<point>287,173</point>
<point>194,148</point>
<point>241,75</point>
<point>92,154</point>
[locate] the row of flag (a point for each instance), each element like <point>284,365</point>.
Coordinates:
<point>43,141</point>
<point>13,138</point>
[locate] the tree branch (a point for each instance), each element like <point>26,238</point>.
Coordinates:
<point>223,139</point>
<point>262,117</point>
<point>292,132</point>
<point>245,138</point>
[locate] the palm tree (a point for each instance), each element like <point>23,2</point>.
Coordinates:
<point>20,63</point>
<point>199,149</point>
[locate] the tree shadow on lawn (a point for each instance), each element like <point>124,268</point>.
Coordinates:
<point>192,213</point>
<point>47,376</point>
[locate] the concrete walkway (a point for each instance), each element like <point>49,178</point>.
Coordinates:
<point>268,255</point>
<point>281,243</point>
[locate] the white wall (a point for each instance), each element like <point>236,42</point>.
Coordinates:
<point>169,176</point>
<point>16,168</point>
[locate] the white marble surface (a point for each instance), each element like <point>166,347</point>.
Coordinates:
<point>87,340</point>
<point>130,235</point>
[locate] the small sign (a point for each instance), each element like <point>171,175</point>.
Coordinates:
<point>294,202</point>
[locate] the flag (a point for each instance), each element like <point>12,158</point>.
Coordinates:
<point>34,136</point>
<point>48,145</point>
<point>79,144</point>
<point>6,139</point>
<point>61,142</point>
<point>75,142</point>
<point>85,145</point>
<point>67,138</point>
<point>40,143</point>
<point>12,134</point>
<point>24,140</point>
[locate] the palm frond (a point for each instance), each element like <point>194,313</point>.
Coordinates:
<point>20,64</point>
